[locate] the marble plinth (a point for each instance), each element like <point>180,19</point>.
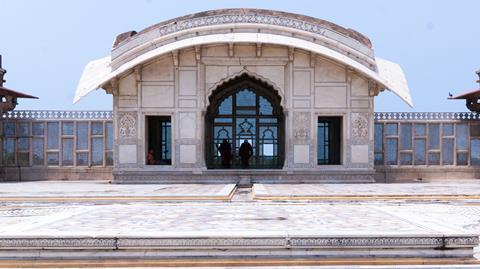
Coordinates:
<point>237,176</point>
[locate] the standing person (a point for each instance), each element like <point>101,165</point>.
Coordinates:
<point>226,153</point>
<point>245,152</point>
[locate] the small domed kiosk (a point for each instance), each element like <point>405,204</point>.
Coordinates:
<point>298,89</point>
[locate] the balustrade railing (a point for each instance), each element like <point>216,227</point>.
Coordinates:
<point>427,138</point>
<point>57,138</point>
<point>415,116</point>
<point>58,115</point>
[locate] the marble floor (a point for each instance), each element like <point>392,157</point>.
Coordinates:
<point>238,219</point>
<point>242,215</point>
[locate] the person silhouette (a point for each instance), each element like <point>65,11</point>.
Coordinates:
<point>245,152</point>
<point>225,150</point>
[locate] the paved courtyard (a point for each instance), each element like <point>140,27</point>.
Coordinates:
<point>240,214</point>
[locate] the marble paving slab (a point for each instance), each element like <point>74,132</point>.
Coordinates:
<point>366,190</point>
<point>57,189</point>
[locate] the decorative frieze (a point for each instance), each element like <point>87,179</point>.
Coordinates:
<point>57,243</point>
<point>385,241</point>
<point>199,242</point>
<point>243,242</point>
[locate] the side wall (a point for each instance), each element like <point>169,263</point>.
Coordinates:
<point>427,146</point>
<point>56,145</point>
<point>77,145</point>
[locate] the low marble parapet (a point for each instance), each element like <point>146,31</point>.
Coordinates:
<point>116,243</point>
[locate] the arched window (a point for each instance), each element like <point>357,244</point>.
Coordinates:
<point>245,109</point>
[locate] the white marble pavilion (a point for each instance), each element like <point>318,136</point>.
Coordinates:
<point>300,90</point>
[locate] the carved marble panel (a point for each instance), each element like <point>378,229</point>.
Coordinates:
<point>359,126</point>
<point>129,101</point>
<point>245,50</point>
<point>187,82</point>
<point>188,154</point>
<point>302,83</point>
<point>128,85</point>
<point>363,103</point>
<point>301,59</point>
<point>157,96</point>
<point>127,125</point>
<point>215,50</point>
<point>214,74</point>
<point>187,57</point>
<point>127,154</point>
<point>274,51</point>
<point>301,125</point>
<point>330,97</point>
<point>187,103</point>
<point>359,154</point>
<point>359,86</point>
<point>276,74</point>
<point>301,103</point>
<point>301,154</point>
<point>187,125</point>
<point>326,71</point>
<point>160,70</point>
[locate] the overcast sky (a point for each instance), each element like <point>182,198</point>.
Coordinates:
<point>46,44</point>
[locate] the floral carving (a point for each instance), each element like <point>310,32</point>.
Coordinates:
<point>302,125</point>
<point>359,125</point>
<point>127,127</point>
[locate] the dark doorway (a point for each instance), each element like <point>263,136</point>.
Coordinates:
<point>159,135</point>
<point>328,140</point>
<point>245,109</point>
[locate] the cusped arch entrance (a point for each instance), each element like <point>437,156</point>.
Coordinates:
<point>245,108</point>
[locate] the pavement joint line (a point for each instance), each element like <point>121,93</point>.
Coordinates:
<point>409,220</point>
<point>367,197</point>
<point>231,262</point>
<point>117,198</point>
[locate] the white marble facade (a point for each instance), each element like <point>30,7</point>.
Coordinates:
<point>310,84</point>
<point>173,72</point>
